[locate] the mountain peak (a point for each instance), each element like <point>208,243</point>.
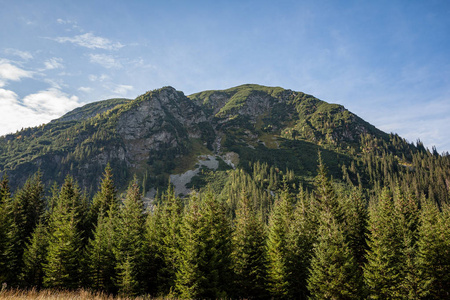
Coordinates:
<point>163,130</point>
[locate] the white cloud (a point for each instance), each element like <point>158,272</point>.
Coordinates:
<point>90,41</point>
<point>11,72</point>
<point>53,63</point>
<point>36,109</point>
<point>94,78</point>
<point>122,89</point>
<point>61,21</point>
<point>22,54</point>
<point>85,89</point>
<point>51,102</point>
<point>107,61</point>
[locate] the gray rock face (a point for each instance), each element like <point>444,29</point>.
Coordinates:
<point>160,119</point>
<point>149,134</point>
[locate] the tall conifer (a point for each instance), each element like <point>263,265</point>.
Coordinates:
<point>383,270</point>
<point>277,246</point>
<point>249,252</point>
<point>64,255</point>
<point>433,254</point>
<point>163,241</point>
<point>34,257</point>
<point>100,253</point>
<point>129,241</point>
<point>204,264</point>
<point>333,271</point>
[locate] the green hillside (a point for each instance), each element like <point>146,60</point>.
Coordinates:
<point>247,193</point>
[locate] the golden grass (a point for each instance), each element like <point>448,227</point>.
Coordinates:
<point>63,295</point>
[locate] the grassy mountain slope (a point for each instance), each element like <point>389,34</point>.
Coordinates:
<point>162,132</point>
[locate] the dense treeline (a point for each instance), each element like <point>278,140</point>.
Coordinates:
<point>258,235</point>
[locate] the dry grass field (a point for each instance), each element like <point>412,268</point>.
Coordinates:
<point>63,295</point>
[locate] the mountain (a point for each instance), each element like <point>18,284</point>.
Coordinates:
<point>164,132</point>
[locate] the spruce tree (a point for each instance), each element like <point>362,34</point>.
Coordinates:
<point>21,214</point>
<point>249,255</point>
<point>129,241</point>
<point>14,234</point>
<point>407,214</point>
<point>63,265</point>
<point>433,254</point>
<point>34,257</point>
<point>300,240</point>
<point>105,199</point>
<point>277,246</point>
<point>128,283</point>
<point>162,239</point>
<point>356,225</point>
<point>100,253</point>
<point>152,255</point>
<point>204,263</point>
<point>31,199</point>
<point>333,271</point>
<point>383,270</point>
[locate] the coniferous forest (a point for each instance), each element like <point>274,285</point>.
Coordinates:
<point>261,234</point>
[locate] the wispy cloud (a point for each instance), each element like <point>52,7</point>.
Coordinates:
<point>22,54</point>
<point>101,77</point>
<point>34,109</point>
<point>122,89</point>
<point>53,63</point>
<point>52,102</point>
<point>9,71</point>
<point>89,40</point>
<point>73,24</point>
<point>85,89</point>
<point>107,61</point>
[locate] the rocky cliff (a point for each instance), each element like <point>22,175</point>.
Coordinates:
<point>164,131</point>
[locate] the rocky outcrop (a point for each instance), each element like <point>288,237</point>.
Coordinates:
<point>149,135</point>
<point>160,119</point>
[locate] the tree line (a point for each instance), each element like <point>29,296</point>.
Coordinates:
<point>244,241</point>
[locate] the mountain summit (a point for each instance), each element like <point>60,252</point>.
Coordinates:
<point>164,132</point>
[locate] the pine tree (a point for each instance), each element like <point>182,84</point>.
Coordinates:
<point>128,283</point>
<point>14,240</point>
<point>129,241</point>
<point>249,252</point>
<point>162,239</point>
<point>152,255</point>
<point>204,263</point>
<point>300,240</point>
<point>433,254</point>
<point>383,270</point>
<point>31,198</point>
<point>356,224</point>
<point>333,272</point>
<point>100,255</point>
<point>105,199</point>
<point>64,255</point>
<point>277,246</point>
<point>34,257</point>
<point>20,217</point>
<point>325,193</point>
<point>407,214</point>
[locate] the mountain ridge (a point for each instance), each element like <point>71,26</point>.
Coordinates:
<point>164,131</point>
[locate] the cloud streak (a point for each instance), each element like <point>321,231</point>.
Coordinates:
<point>122,89</point>
<point>22,54</point>
<point>53,63</point>
<point>89,40</point>
<point>34,109</point>
<point>107,61</point>
<point>9,72</point>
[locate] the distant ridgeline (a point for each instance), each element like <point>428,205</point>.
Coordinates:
<point>273,194</point>
<point>163,132</point>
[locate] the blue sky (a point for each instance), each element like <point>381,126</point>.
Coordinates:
<point>386,61</point>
